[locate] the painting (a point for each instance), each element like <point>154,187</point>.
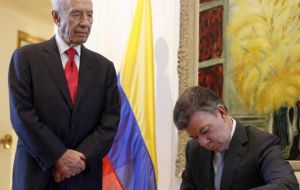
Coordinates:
<point>248,58</point>
<point>264,66</point>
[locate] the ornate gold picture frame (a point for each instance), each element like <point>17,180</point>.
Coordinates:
<point>25,38</point>
<point>187,63</point>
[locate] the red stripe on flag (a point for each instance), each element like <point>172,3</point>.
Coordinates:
<point>110,180</point>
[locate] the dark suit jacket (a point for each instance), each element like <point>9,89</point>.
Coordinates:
<point>47,123</point>
<point>253,161</point>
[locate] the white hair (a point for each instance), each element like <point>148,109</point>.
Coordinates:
<point>58,5</point>
<point>55,5</point>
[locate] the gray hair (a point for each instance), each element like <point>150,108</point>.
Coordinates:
<point>58,5</point>
<point>55,5</point>
<point>192,100</point>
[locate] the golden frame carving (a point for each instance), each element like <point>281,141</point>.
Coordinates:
<point>25,38</point>
<point>187,63</point>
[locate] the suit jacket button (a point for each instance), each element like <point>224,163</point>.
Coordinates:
<point>73,126</point>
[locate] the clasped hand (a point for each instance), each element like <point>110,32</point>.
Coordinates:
<point>69,164</point>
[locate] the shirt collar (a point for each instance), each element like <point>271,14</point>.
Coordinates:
<point>233,126</point>
<point>232,131</point>
<point>63,46</point>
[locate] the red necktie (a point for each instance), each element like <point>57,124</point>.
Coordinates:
<point>71,73</point>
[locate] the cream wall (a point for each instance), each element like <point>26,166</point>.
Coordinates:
<point>12,19</point>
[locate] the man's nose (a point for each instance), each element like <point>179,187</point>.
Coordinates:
<point>203,140</point>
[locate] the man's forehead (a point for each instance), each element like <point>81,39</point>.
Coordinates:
<point>194,125</point>
<point>200,116</point>
<point>79,4</point>
<point>200,119</point>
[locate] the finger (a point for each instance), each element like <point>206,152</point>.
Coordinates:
<point>81,165</point>
<point>83,158</point>
<point>74,171</point>
<point>62,179</point>
<point>56,177</point>
<point>68,176</point>
<point>83,168</point>
<point>53,172</point>
<point>66,173</point>
<point>63,175</point>
<point>78,171</point>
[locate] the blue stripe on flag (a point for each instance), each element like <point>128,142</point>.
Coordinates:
<point>129,155</point>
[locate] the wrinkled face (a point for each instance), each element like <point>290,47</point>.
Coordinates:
<point>211,130</point>
<point>74,21</point>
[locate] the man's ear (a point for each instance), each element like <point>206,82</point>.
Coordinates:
<point>222,110</point>
<point>56,17</point>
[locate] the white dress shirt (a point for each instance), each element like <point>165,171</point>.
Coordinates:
<point>63,47</point>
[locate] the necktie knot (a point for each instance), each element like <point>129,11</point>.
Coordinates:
<point>71,53</point>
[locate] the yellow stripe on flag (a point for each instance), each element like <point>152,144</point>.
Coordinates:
<point>137,76</point>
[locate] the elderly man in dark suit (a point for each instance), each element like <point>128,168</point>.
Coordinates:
<point>65,106</point>
<point>223,154</point>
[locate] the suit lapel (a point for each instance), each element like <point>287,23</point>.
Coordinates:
<point>203,168</point>
<point>211,173</point>
<point>86,74</point>
<point>54,65</point>
<point>233,156</point>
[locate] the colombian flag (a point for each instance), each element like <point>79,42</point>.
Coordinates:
<point>131,163</point>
